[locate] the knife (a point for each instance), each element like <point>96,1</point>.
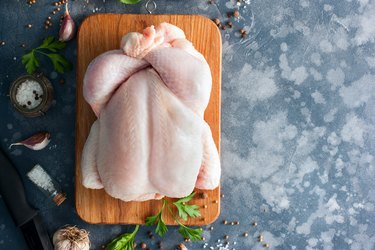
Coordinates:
<point>24,216</point>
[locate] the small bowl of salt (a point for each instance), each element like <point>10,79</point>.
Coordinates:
<point>31,95</point>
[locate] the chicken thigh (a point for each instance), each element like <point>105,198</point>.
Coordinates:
<point>150,139</point>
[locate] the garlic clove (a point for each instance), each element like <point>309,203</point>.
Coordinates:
<point>68,27</point>
<point>35,142</point>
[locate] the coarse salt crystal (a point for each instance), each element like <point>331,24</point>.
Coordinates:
<point>41,178</point>
<point>29,94</point>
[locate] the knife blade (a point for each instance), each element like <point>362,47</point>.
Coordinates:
<point>24,216</point>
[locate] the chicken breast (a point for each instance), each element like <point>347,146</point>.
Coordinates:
<point>150,139</point>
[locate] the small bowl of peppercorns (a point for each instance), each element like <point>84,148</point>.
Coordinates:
<point>31,95</point>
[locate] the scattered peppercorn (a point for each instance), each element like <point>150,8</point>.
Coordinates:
<point>216,201</point>
<point>186,239</point>
<point>203,195</point>
<point>236,13</point>
<point>237,222</point>
<point>226,237</point>
<point>49,18</point>
<point>245,234</point>
<point>266,245</point>
<point>229,14</point>
<point>217,21</point>
<point>2,43</point>
<point>222,195</point>
<point>143,245</point>
<point>225,222</point>
<point>211,228</point>
<point>204,206</point>
<point>203,238</point>
<point>53,12</point>
<point>260,238</point>
<point>29,26</point>
<point>58,9</point>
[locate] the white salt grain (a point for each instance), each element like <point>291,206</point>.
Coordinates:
<point>40,177</point>
<point>29,94</point>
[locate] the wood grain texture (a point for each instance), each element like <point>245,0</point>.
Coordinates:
<point>102,32</point>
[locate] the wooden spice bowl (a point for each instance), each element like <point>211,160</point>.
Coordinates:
<point>46,99</point>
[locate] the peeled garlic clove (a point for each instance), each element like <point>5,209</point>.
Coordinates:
<point>68,27</point>
<point>35,142</point>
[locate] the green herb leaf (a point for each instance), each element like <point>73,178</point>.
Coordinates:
<point>30,61</point>
<point>161,228</point>
<point>130,1</point>
<point>59,62</point>
<point>152,220</point>
<point>52,44</point>
<point>185,210</point>
<point>193,234</point>
<point>186,198</point>
<point>123,242</point>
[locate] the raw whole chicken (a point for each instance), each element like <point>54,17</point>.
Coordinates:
<point>150,139</point>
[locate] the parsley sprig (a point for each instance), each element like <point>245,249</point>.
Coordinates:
<point>130,1</point>
<point>184,211</point>
<point>123,242</point>
<point>49,48</point>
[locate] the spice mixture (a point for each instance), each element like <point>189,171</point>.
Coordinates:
<point>29,94</point>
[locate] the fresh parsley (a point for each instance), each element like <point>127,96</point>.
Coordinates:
<point>123,242</point>
<point>184,211</point>
<point>130,1</point>
<point>190,233</point>
<point>161,228</point>
<point>49,48</point>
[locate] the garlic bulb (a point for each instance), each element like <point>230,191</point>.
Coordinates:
<point>71,238</point>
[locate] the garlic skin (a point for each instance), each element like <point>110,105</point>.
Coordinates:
<point>68,27</point>
<point>64,245</point>
<point>71,238</point>
<point>35,142</point>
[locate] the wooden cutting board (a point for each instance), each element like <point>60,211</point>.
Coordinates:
<point>102,32</point>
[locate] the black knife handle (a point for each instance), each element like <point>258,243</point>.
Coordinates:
<point>12,190</point>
